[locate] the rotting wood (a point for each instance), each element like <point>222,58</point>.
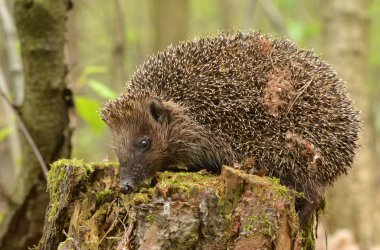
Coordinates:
<point>181,211</point>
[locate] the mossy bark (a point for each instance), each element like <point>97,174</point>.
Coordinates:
<point>181,211</point>
<point>41,27</point>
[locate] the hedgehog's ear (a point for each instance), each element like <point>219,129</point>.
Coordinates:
<point>158,111</point>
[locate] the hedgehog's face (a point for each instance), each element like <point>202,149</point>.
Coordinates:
<point>141,141</point>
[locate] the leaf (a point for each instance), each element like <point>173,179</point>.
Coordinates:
<point>132,36</point>
<point>101,89</point>
<point>296,30</point>
<point>90,70</point>
<point>87,109</point>
<point>287,4</point>
<point>95,70</point>
<point>4,133</point>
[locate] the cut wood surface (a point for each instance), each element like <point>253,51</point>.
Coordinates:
<point>182,210</point>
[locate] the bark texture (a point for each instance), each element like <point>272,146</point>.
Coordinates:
<point>41,27</point>
<point>181,211</point>
<point>350,203</point>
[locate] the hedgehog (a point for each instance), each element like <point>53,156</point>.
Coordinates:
<point>224,99</point>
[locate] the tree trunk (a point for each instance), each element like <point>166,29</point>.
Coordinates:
<point>41,27</point>
<point>351,202</point>
<point>226,14</point>
<point>181,211</point>
<point>117,61</point>
<point>170,22</point>
<point>71,49</point>
<point>13,58</point>
<point>11,86</point>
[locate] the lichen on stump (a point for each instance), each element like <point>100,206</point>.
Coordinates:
<point>178,211</point>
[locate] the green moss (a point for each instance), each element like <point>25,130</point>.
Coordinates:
<point>102,165</point>
<point>2,217</point>
<point>323,206</point>
<point>262,224</point>
<point>232,191</point>
<point>230,201</point>
<point>307,236</point>
<point>102,211</point>
<point>103,196</point>
<point>69,243</point>
<point>143,197</point>
<point>282,192</point>
<point>150,218</point>
<point>170,183</point>
<point>185,183</point>
<point>57,176</point>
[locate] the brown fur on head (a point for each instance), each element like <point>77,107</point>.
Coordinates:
<point>151,135</point>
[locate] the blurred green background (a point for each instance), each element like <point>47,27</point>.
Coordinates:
<point>94,37</point>
<point>107,40</point>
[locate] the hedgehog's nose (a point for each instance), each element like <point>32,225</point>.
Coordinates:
<point>126,187</point>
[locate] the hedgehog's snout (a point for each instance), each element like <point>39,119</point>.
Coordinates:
<point>127,182</point>
<point>126,186</point>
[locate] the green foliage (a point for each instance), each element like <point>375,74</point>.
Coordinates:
<point>262,224</point>
<point>132,35</point>
<point>204,17</point>
<point>96,50</point>
<point>101,89</point>
<point>184,183</point>
<point>87,109</point>
<point>89,71</point>
<point>296,30</point>
<point>287,5</point>
<point>4,133</point>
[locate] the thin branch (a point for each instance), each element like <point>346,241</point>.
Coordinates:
<point>26,133</point>
<point>14,65</point>
<point>112,225</point>
<point>14,62</point>
<point>119,44</point>
<point>74,241</point>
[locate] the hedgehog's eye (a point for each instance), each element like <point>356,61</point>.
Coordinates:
<point>143,143</point>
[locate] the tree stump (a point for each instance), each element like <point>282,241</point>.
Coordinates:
<point>182,210</point>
